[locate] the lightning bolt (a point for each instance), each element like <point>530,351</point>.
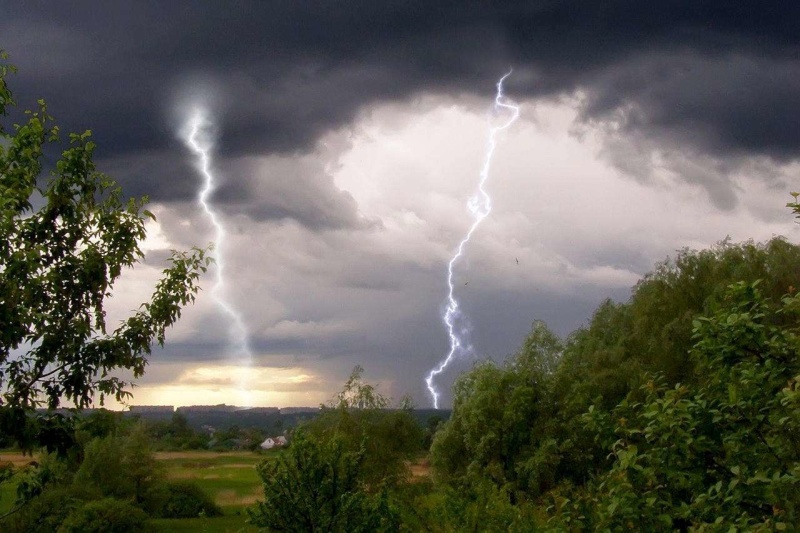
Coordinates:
<point>479,205</point>
<point>198,140</point>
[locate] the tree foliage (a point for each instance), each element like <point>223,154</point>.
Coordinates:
<point>317,485</point>
<point>65,239</point>
<point>360,417</point>
<point>499,416</point>
<point>123,467</point>
<point>340,468</point>
<point>721,454</point>
<point>674,410</point>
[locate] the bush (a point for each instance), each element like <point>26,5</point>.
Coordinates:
<point>105,516</point>
<point>316,485</point>
<point>124,467</point>
<point>187,500</point>
<point>46,512</point>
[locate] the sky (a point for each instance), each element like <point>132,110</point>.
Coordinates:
<point>348,137</point>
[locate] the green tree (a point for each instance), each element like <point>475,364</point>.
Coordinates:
<point>66,235</point>
<point>498,429</point>
<point>317,485</point>
<point>718,454</point>
<point>624,344</point>
<point>64,241</point>
<point>360,418</point>
<point>652,332</point>
<point>341,468</point>
<point>123,467</point>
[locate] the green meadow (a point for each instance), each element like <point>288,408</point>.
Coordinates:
<point>229,477</point>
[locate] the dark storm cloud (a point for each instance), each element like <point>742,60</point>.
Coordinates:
<point>718,77</point>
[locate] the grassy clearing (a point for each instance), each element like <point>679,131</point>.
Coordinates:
<point>229,477</point>
<point>420,469</point>
<point>8,490</point>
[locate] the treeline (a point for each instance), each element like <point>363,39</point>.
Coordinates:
<point>678,410</point>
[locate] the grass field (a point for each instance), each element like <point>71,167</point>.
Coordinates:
<point>8,491</point>
<point>229,477</point>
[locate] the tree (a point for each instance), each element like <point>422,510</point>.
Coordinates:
<point>341,468</point>
<point>498,429</point>
<point>317,485</point>
<point>64,242</point>
<point>720,454</point>
<point>625,344</point>
<point>123,467</point>
<point>360,418</point>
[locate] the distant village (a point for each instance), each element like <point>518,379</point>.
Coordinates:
<point>210,419</point>
<point>221,408</point>
<point>221,427</point>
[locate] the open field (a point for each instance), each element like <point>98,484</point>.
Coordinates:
<point>16,458</point>
<point>8,490</point>
<point>229,477</point>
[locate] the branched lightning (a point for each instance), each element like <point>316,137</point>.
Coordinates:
<point>198,141</point>
<point>480,205</point>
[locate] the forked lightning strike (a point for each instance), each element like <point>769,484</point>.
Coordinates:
<point>197,140</point>
<point>480,205</point>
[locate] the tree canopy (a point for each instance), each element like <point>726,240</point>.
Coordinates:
<point>675,410</point>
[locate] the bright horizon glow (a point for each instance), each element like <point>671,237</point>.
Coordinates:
<point>218,384</point>
<point>480,205</point>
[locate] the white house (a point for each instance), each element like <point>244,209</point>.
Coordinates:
<point>269,442</point>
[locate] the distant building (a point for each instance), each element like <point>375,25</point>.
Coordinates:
<point>221,408</point>
<point>152,409</point>
<point>261,411</point>
<point>270,443</point>
<point>293,410</point>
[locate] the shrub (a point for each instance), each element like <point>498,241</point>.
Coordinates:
<point>105,516</point>
<point>123,467</point>
<point>46,512</point>
<point>316,485</point>
<point>187,500</point>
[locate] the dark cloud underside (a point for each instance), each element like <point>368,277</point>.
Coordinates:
<point>719,76</point>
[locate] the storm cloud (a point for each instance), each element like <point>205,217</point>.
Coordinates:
<point>718,77</point>
<point>348,134</point>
